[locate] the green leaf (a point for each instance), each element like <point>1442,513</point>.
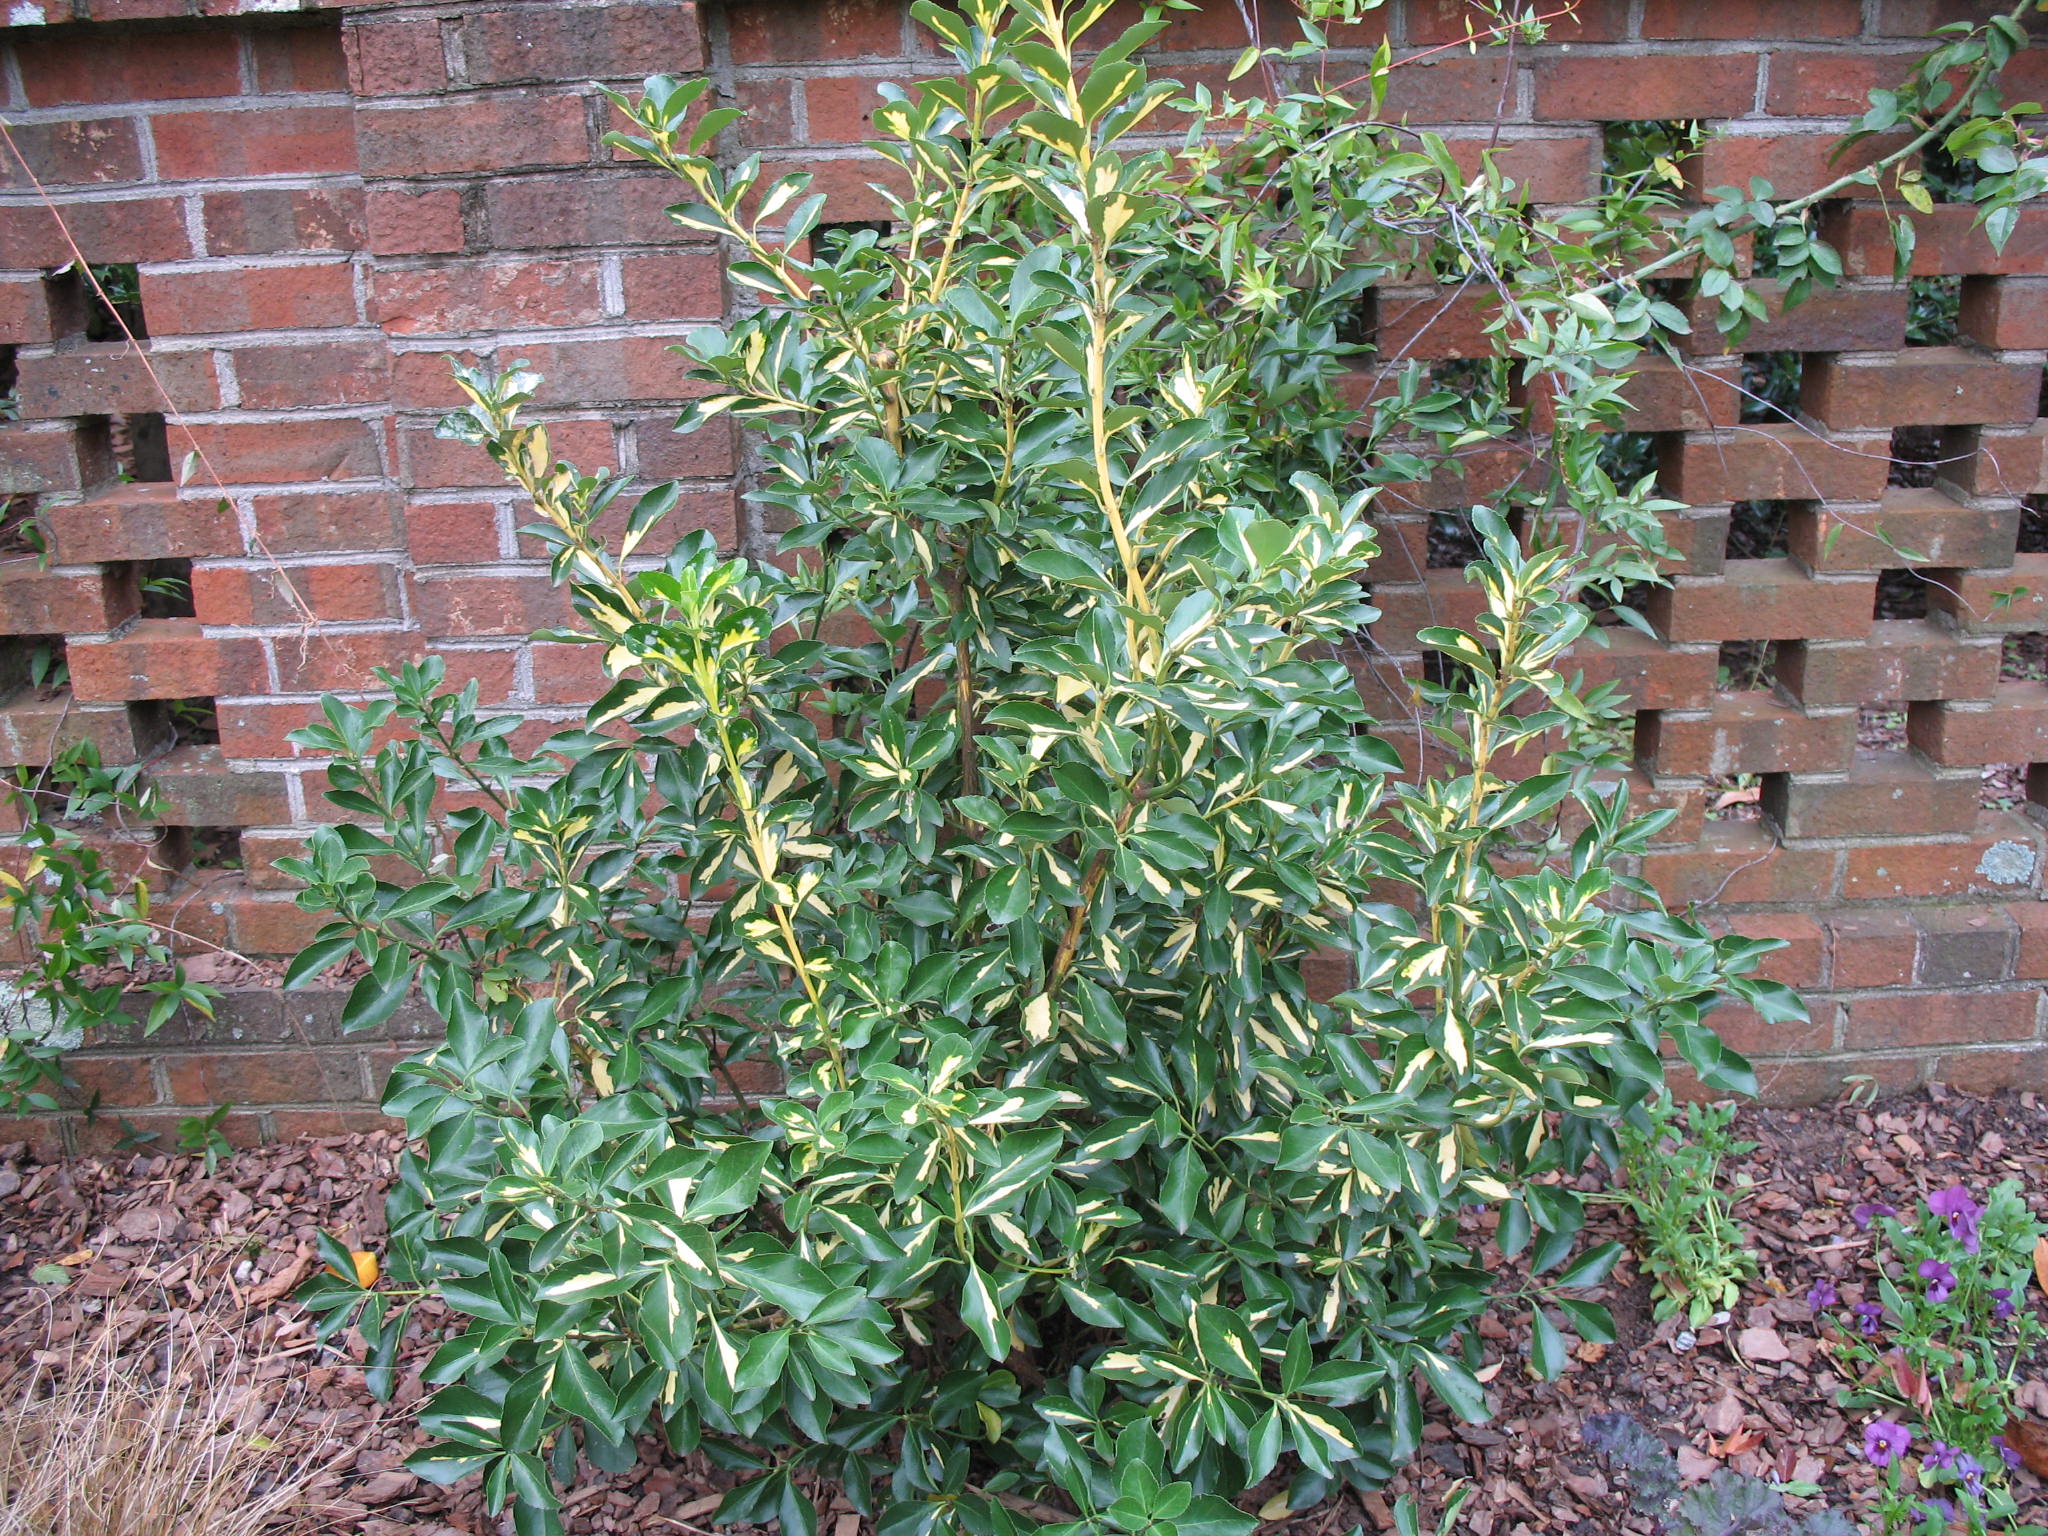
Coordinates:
<point>978,1310</point>
<point>733,1181</point>
<point>1460,1391</point>
<point>1546,1346</point>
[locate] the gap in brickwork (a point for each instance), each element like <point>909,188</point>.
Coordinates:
<point>2004,787</point>
<point>33,667</point>
<point>1770,386</point>
<point>831,242</point>
<point>1934,311</point>
<point>193,722</point>
<point>2034,526</point>
<point>1757,530</point>
<point>1735,796</point>
<point>1947,179</point>
<point>214,848</point>
<point>166,589</point>
<point>1916,456</point>
<point>2024,659</point>
<point>1453,544</point>
<point>1881,726</point>
<point>1646,154</point>
<point>1625,457</point>
<point>1901,594</point>
<point>1747,666</point>
<point>1447,671</point>
<point>1359,325</point>
<point>141,446</point>
<point>97,310</point>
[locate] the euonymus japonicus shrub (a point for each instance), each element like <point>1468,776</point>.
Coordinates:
<point>1001,807</point>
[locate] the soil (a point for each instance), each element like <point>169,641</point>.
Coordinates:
<point>148,1241</point>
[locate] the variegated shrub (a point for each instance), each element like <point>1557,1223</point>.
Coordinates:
<point>1003,808</point>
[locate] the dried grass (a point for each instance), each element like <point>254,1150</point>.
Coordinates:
<point>179,1441</point>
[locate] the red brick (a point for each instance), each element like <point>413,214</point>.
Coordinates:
<point>495,672</point>
<point>325,593</point>
<point>111,379</point>
<point>1909,527</point>
<point>1917,18</point>
<point>25,315</point>
<point>1668,85</point>
<point>1744,1030</point>
<point>141,522</point>
<point>2011,728</point>
<point>423,380</point>
<point>262,141</point>
<point>1800,962</point>
<point>132,229</point>
<point>394,57</point>
<point>770,32</point>
<point>2031,961</point>
<point>346,662</point>
<point>2024,1069</point>
<point>165,659</point>
<point>562,42</point>
<point>453,533</point>
<point>1793,163</point>
<point>1827,84</point>
<point>489,133</point>
<point>2005,311</point>
<point>1903,659</point>
<point>674,285</point>
<point>61,600</point>
<point>580,209</point>
<point>267,453</point>
<point>1871,319</point>
<point>1451,87</point>
<point>2012,601</point>
<point>291,1124</point>
<point>33,731</point>
<point>292,1076</point>
<point>568,674</point>
<point>269,221</point>
<point>1900,1020</point>
<point>1741,20</point>
<point>2003,844</point>
<point>1550,170</point>
<point>1945,241</point>
<point>666,453</point>
<point>414,221</point>
<point>1884,794</point>
<point>260,727</point>
<point>299,59</point>
<point>600,369</point>
<point>337,372</point>
<point>112,1082</point>
<point>249,299</point>
<point>1997,462</point>
<point>1448,321</point>
<point>196,786</point>
<point>489,605</point>
<point>1781,462</point>
<point>1739,861</point>
<point>1871,949</point>
<point>1434,22</point>
<point>438,463</point>
<point>462,297</point>
<point>39,457</point>
<point>1924,386</point>
<point>316,522</point>
<point>83,152</point>
<point>1745,733</point>
<point>63,71</point>
<point>1763,600</point>
<point>1652,675</point>
<point>1698,398</point>
<point>1800,1082</point>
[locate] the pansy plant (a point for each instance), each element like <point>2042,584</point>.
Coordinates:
<point>1932,1346</point>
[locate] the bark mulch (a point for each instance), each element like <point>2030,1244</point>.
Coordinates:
<point>150,1241</point>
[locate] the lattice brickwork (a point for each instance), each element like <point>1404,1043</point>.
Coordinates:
<point>319,206</point>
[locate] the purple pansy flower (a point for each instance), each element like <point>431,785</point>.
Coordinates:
<point>1823,1295</point>
<point>1961,1212</point>
<point>2001,1303</point>
<point>1935,1509</point>
<point>2006,1453</point>
<point>1867,1314</point>
<point>1869,1211</point>
<point>1971,1471</point>
<point>1940,1455</point>
<point>1884,1442</point>
<point>1941,1280</point>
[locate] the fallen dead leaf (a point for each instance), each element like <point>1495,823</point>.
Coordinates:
<point>1742,1440</point>
<point>1724,1417</point>
<point>284,1282</point>
<point>2029,1442</point>
<point>2041,1261</point>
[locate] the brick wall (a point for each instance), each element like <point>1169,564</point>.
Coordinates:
<point>320,204</point>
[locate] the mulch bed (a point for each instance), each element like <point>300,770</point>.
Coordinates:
<point>149,1240</point>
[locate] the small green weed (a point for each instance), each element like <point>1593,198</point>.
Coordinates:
<point>1697,1253</point>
